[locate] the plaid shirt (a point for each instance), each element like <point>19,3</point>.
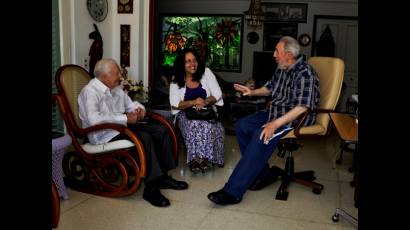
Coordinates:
<point>296,86</point>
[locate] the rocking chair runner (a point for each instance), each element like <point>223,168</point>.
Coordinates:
<point>111,169</point>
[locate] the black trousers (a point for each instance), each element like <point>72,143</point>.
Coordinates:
<point>157,145</point>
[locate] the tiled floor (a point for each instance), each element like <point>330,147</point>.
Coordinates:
<point>190,209</point>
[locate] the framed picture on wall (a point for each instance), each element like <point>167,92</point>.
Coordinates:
<point>216,38</point>
<point>273,31</point>
<point>125,45</point>
<point>125,6</point>
<point>285,12</point>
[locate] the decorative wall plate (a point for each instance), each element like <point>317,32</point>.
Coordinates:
<point>253,37</point>
<point>304,39</point>
<point>98,9</point>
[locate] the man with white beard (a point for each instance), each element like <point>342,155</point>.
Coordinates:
<point>294,89</point>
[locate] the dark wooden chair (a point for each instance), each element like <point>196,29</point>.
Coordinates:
<point>55,206</point>
<point>112,169</point>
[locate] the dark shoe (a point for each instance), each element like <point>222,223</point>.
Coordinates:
<point>203,166</point>
<point>165,182</point>
<point>262,182</point>
<point>194,167</point>
<point>222,198</point>
<point>154,197</point>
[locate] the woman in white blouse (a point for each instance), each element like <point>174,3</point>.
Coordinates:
<point>194,85</point>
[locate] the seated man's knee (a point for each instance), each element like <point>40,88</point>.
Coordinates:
<point>146,137</point>
<point>239,125</point>
<point>163,130</point>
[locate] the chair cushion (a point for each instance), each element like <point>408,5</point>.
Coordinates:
<point>110,146</point>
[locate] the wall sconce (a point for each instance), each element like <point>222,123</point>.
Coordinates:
<point>255,16</point>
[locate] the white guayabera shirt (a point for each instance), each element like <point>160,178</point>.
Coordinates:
<point>98,104</point>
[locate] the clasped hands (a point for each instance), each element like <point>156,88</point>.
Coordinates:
<point>199,103</point>
<point>136,115</point>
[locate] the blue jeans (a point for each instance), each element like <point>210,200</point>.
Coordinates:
<point>254,153</point>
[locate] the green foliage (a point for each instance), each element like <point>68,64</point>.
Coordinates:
<point>200,33</point>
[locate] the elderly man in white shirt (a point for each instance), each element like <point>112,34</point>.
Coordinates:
<point>102,100</point>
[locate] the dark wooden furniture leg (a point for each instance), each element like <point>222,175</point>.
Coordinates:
<point>55,206</point>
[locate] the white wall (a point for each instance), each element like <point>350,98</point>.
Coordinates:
<point>322,7</point>
<point>81,24</point>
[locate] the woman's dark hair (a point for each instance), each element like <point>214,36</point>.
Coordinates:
<point>179,67</point>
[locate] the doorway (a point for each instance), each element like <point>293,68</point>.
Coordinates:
<point>344,30</point>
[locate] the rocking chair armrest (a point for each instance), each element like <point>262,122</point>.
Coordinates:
<point>171,130</point>
<point>118,127</point>
<point>115,126</point>
<point>159,118</point>
<point>125,130</point>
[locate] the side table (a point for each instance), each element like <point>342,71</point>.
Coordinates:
<point>346,127</point>
<point>59,145</point>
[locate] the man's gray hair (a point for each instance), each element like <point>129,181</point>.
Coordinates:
<point>102,67</point>
<point>291,45</point>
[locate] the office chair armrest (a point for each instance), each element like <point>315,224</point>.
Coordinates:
<point>304,115</point>
<point>324,110</point>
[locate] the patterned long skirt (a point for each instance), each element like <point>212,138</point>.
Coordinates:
<point>202,139</point>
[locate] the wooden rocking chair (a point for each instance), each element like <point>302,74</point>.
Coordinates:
<point>112,169</point>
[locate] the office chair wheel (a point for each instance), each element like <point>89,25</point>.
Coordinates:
<point>317,191</point>
<point>335,217</point>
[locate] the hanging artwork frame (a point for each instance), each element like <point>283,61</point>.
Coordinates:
<point>317,19</point>
<point>285,12</point>
<point>125,6</point>
<point>125,45</point>
<point>217,39</point>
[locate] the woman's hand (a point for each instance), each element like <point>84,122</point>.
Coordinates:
<point>199,103</point>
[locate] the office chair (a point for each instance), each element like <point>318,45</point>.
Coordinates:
<point>111,169</point>
<point>330,71</point>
